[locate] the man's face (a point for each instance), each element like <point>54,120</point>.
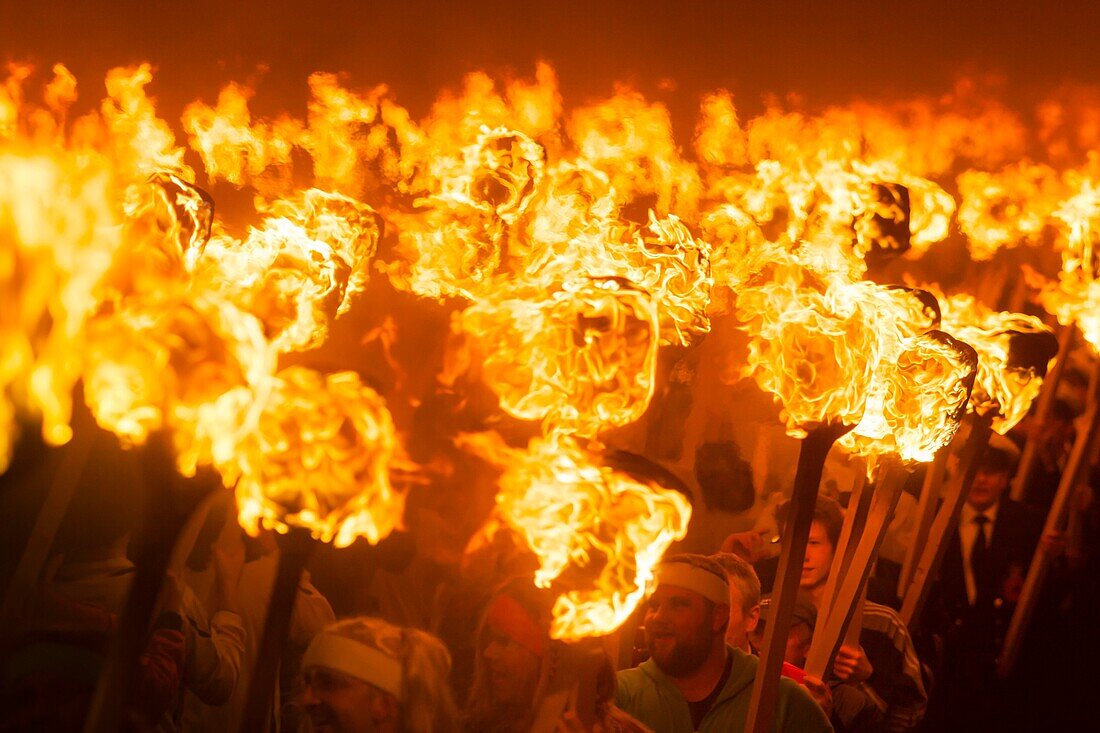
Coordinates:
<point>741,623</point>
<point>680,626</point>
<point>989,484</point>
<point>819,557</point>
<point>798,644</point>
<point>513,669</point>
<point>337,703</point>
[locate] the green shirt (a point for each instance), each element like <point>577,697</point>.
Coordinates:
<point>649,695</point>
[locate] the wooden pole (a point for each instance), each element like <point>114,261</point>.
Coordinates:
<point>63,485</point>
<point>855,625</point>
<point>1042,413</point>
<point>1075,531</point>
<point>992,277</point>
<point>926,513</point>
<point>852,585</point>
<point>947,518</point>
<point>1040,563</point>
<point>1018,297</point>
<point>571,686</point>
<point>811,461</point>
<point>854,518</point>
<point>171,501</point>
<point>295,548</point>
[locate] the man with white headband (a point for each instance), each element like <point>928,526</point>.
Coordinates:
<point>365,675</point>
<point>694,681</point>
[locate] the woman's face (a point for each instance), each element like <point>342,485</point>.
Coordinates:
<point>513,670</point>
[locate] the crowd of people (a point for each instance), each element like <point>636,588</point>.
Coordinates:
<point>481,658</point>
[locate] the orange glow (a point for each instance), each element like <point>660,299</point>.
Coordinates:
<point>568,246</point>
<point>299,269</point>
<point>812,342</point>
<point>1003,388</point>
<point>582,359</point>
<point>315,452</point>
<point>1075,297</point>
<point>597,532</point>
<point>919,399</point>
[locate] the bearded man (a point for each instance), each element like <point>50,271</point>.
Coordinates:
<point>693,680</point>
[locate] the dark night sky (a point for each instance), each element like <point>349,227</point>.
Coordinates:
<point>827,52</point>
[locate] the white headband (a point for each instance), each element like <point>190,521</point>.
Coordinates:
<point>703,582</point>
<point>355,659</point>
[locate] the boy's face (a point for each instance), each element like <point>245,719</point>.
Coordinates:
<point>819,557</point>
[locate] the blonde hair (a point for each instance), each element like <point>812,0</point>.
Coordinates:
<point>481,713</point>
<point>483,716</point>
<point>741,575</point>
<point>427,705</point>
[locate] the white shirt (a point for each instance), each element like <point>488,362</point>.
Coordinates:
<point>968,533</point>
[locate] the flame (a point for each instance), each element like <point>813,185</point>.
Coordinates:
<point>1008,208</point>
<point>1075,297</point>
<point>926,401</point>
<point>165,360</point>
<point>582,359</point>
<point>455,243</point>
<point>813,343</point>
<point>315,453</point>
<point>920,396</point>
<point>579,242</point>
<point>65,191</point>
<point>299,269</point>
<point>231,145</point>
<point>630,139</point>
<point>663,258</point>
<point>1005,386</point>
<point>588,525</point>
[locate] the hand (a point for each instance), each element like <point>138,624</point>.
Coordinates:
<point>171,593</point>
<point>570,723</point>
<point>749,546</point>
<point>228,566</point>
<point>1014,583</point>
<point>820,692</point>
<point>852,665</point>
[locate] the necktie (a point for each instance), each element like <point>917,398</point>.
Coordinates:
<point>979,558</point>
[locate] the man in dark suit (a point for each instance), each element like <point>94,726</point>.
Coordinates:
<point>979,582</point>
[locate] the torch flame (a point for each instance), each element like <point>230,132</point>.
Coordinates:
<point>588,525</point>
<point>812,343</point>
<point>298,270</point>
<point>1005,386</point>
<point>315,453</point>
<point>582,360</point>
<point>578,243</point>
<point>919,399</point>
<point>1075,297</point>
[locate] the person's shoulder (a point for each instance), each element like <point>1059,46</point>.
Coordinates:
<point>791,690</point>
<point>1021,518</point>
<point>801,711</point>
<point>1017,511</point>
<point>636,691</point>
<point>882,614</point>
<point>635,678</point>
